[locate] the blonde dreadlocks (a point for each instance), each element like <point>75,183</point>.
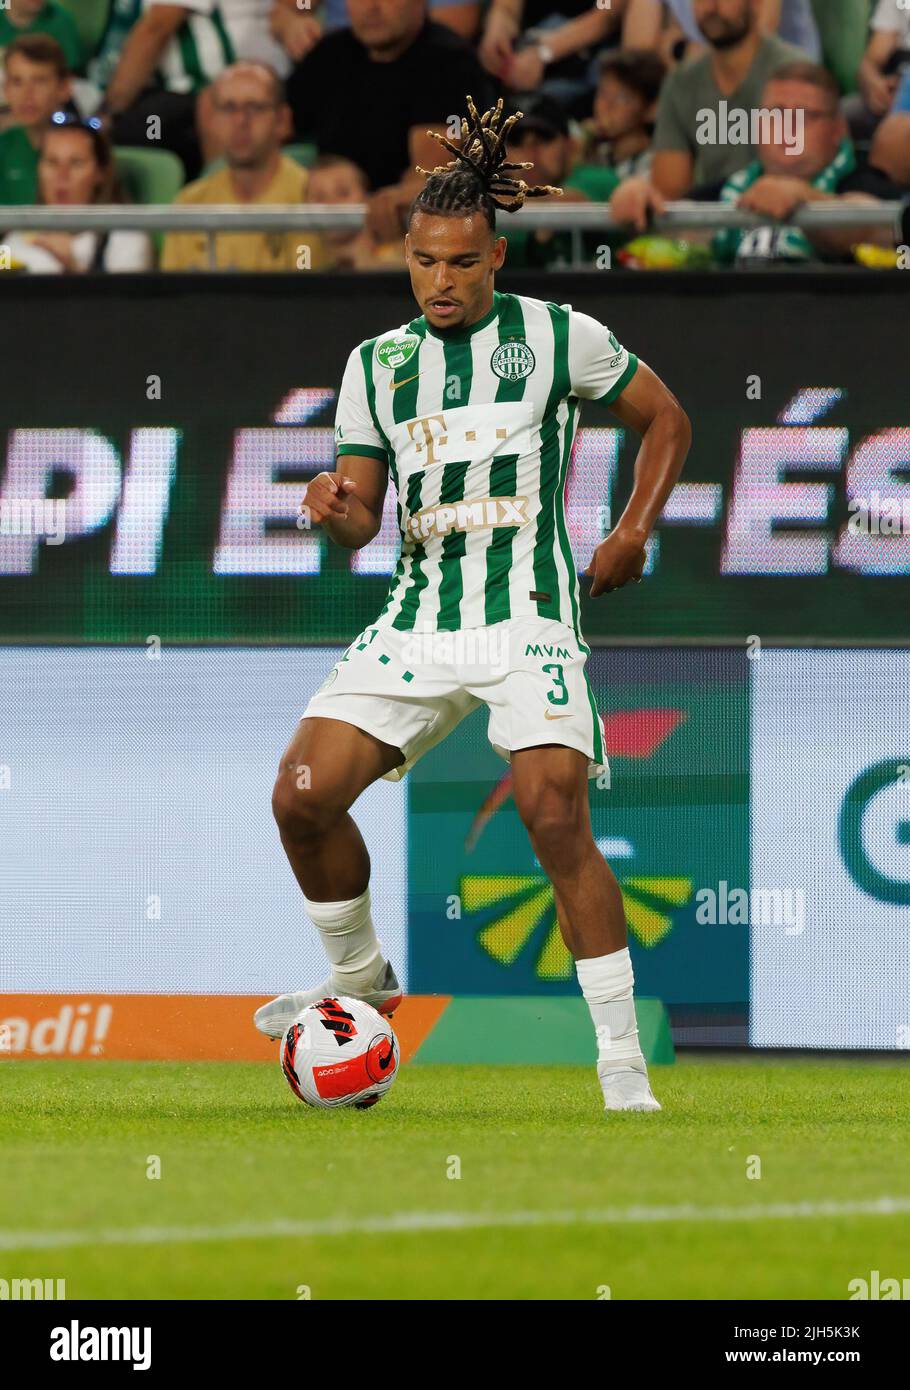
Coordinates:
<point>478,177</point>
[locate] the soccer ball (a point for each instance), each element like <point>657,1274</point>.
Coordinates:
<point>340,1052</point>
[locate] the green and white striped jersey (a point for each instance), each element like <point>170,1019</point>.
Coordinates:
<point>476,426</point>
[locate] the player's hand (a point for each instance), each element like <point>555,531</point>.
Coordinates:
<point>325,498</point>
<point>634,201</point>
<point>617,560</point>
<point>879,92</point>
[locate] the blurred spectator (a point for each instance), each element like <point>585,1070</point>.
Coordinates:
<point>336,181</point>
<point>621,129</point>
<point>254,121</point>
<point>549,46</point>
<point>886,57</point>
<point>670,26</point>
<point>543,140</point>
<point>725,83</point>
<point>77,167</point>
<point>777,182</point>
<point>155,59</point>
<point>37,85</point>
<point>20,17</point>
<point>300,30</point>
<point>371,92</point>
<point>891,146</point>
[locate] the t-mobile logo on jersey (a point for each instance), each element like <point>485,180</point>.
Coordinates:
<point>472,432</point>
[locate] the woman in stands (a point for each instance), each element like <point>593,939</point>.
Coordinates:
<point>77,167</point>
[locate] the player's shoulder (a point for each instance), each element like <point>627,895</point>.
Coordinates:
<point>544,311</point>
<point>391,348</point>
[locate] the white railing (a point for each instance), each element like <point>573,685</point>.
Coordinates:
<point>288,217</point>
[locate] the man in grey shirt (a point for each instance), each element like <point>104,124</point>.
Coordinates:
<point>689,146</point>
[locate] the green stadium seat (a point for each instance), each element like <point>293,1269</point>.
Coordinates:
<point>844,29</point>
<point>149,176</point>
<point>91,18</point>
<point>304,154</point>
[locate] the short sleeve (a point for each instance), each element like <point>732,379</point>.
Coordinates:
<point>886,17</point>
<point>600,368</point>
<point>671,131</point>
<point>356,428</point>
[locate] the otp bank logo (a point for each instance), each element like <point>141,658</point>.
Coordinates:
<point>525,918</point>
<point>874,829</point>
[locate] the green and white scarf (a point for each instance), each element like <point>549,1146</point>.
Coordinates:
<point>774,242</point>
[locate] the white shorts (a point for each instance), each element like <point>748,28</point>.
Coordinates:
<point>410,689</point>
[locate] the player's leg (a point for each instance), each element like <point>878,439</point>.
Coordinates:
<point>550,786</point>
<point>325,768</point>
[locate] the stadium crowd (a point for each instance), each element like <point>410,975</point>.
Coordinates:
<point>626,102</point>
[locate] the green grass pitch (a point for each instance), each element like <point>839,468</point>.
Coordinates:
<point>237,1149</point>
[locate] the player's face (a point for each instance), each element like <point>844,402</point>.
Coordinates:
<point>725,22</point>
<point>452,261</point>
<point>822,124</point>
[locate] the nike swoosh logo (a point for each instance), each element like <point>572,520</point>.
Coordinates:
<point>386,1062</point>
<point>394,385</point>
<point>548,715</point>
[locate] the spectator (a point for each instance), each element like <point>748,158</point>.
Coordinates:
<point>371,92</point>
<point>777,183</point>
<point>791,20</point>
<point>542,140</point>
<point>77,167</point>
<point>886,57</point>
<point>156,58</point>
<point>621,129</point>
<point>891,146</point>
<point>300,30</point>
<point>254,121</point>
<point>335,182</point>
<point>727,80</point>
<point>20,17</point>
<point>37,84</point>
<point>547,46</point>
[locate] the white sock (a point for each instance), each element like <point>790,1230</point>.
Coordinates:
<point>349,938</point>
<point>606,983</point>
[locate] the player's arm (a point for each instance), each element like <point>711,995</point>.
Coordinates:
<point>348,503</point>
<point>647,406</point>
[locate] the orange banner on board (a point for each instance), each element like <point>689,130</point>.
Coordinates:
<point>165,1027</point>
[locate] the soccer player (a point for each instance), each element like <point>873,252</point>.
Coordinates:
<point>472,409</point>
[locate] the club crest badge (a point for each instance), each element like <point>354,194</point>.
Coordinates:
<point>512,361</point>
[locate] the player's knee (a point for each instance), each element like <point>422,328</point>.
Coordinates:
<point>554,822</point>
<point>298,813</point>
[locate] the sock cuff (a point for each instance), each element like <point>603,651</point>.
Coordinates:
<point>337,915</point>
<point>604,978</point>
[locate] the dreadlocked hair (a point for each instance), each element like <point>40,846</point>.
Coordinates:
<point>478,177</point>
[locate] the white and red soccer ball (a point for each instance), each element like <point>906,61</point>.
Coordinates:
<point>340,1052</point>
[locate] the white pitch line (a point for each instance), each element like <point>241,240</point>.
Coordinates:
<point>408,1222</point>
